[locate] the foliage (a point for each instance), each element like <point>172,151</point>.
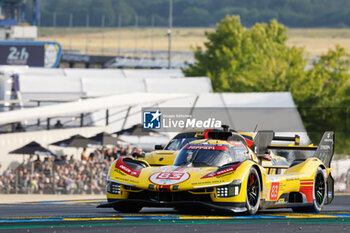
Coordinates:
<point>323,96</point>
<point>204,13</point>
<point>238,59</point>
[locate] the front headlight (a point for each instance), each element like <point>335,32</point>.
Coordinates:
<point>113,188</point>
<point>230,190</point>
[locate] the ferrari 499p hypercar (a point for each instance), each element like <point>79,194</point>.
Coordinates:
<point>223,173</point>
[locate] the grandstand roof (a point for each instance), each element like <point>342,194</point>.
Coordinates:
<point>89,105</point>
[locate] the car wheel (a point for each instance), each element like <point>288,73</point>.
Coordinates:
<point>253,192</point>
<point>128,209</point>
<point>319,193</point>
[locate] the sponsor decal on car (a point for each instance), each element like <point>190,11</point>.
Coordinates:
<point>124,168</point>
<point>205,147</point>
<point>169,178</point>
<point>222,171</point>
<point>275,186</point>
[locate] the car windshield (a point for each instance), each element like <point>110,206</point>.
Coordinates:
<point>178,143</point>
<point>210,156</point>
<point>181,140</point>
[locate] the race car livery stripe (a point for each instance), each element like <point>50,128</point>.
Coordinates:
<point>307,190</point>
<point>236,144</point>
<point>126,169</point>
<point>306,182</point>
<point>205,147</point>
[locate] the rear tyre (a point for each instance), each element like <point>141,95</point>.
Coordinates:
<point>319,193</point>
<point>253,192</point>
<point>128,209</point>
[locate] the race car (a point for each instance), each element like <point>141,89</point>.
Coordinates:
<point>223,174</point>
<point>166,155</point>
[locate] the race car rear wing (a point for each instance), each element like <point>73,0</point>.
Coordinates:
<point>325,150</point>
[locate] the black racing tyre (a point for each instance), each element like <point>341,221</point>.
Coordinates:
<point>128,209</point>
<point>253,192</point>
<point>319,193</point>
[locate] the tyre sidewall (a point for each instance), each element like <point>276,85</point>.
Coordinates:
<point>251,210</point>
<point>318,207</point>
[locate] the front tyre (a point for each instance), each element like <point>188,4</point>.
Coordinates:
<point>253,192</point>
<point>319,193</point>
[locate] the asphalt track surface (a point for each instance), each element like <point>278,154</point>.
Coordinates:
<point>83,216</point>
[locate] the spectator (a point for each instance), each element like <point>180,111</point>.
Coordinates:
<point>116,152</point>
<point>58,125</point>
<point>122,151</point>
<point>71,160</point>
<point>1,185</point>
<point>91,157</point>
<point>98,155</point>
<point>84,156</point>
<point>128,150</point>
<point>108,154</point>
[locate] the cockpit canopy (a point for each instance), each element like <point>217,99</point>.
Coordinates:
<point>180,140</point>
<point>206,154</point>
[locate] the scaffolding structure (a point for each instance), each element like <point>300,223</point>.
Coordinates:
<point>14,12</point>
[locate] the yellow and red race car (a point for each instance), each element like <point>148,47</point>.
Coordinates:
<point>223,173</point>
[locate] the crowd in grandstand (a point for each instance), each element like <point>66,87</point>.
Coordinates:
<point>87,175</point>
<point>63,175</point>
<point>342,182</point>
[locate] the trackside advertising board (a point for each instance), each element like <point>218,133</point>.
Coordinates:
<point>31,53</point>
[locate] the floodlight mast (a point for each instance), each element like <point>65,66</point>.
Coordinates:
<point>169,31</point>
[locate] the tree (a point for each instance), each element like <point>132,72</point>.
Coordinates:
<point>246,60</point>
<point>96,12</point>
<point>204,13</point>
<point>240,59</point>
<point>323,96</point>
<point>193,16</point>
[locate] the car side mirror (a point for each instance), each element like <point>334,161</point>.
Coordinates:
<point>138,155</point>
<point>265,157</point>
<point>158,147</point>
